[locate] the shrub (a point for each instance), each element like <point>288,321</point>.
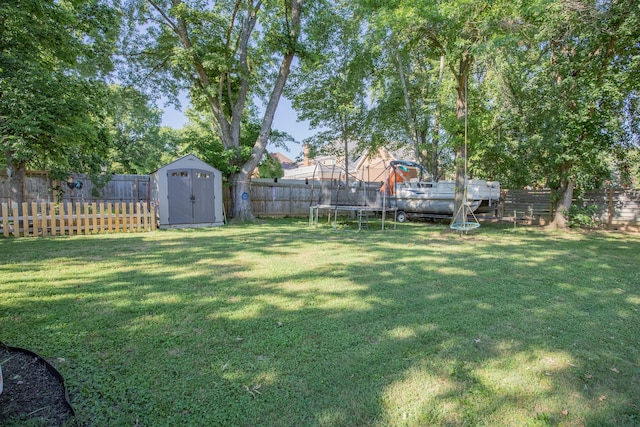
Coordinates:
<point>582,216</point>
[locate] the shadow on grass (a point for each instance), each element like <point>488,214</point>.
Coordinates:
<point>285,325</point>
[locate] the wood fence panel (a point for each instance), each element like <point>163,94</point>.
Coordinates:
<point>626,208</point>
<point>34,219</point>
<point>116,216</point>
<point>69,219</point>
<point>62,219</point>
<point>94,217</point>
<point>100,214</point>
<point>109,217</point>
<point>85,216</point>
<point>45,219</point>
<point>293,198</point>
<point>152,215</point>
<point>534,205</point>
<point>77,219</point>
<point>122,222</point>
<point>287,198</point>
<point>5,219</point>
<point>39,187</point>
<point>270,198</point>
<point>16,217</point>
<point>132,222</point>
<point>51,219</point>
<point>25,219</point>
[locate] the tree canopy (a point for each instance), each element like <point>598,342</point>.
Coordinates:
<point>549,86</point>
<point>52,107</point>
<point>229,55</point>
<point>545,91</point>
<point>138,142</point>
<point>329,86</point>
<point>567,84</point>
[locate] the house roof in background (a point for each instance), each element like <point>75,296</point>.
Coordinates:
<point>286,162</point>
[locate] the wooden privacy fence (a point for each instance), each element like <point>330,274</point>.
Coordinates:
<point>53,219</point>
<point>533,205</point>
<point>615,208</point>
<point>293,198</point>
<point>39,187</point>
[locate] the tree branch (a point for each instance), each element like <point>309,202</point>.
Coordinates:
<point>165,16</point>
<point>237,105</point>
<point>203,79</point>
<point>283,73</point>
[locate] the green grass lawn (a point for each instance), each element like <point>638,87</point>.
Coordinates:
<point>282,324</point>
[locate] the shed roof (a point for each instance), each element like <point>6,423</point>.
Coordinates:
<point>190,160</point>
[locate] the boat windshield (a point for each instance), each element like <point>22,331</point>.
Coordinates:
<point>404,171</point>
<point>411,170</point>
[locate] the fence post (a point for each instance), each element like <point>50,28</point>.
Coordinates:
<point>86,218</point>
<point>94,218</point>
<point>34,219</point>
<point>25,219</point>
<point>142,220</point>
<point>100,212</point>
<point>70,218</point>
<point>16,219</point>
<point>152,217</point>
<point>610,216</point>
<point>132,214</point>
<point>45,219</point>
<point>134,217</point>
<point>117,212</point>
<point>124,220</point>
<point>5,219</point>
<point>78,219</point>
<point>54,219</point>
<point>109,217</point>
<point>139,227</point>
<point>60,217</point>
<point>129,217</point>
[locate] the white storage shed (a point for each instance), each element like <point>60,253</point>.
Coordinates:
<point>188,193</point>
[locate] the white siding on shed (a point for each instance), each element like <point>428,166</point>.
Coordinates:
<point>188,193</point>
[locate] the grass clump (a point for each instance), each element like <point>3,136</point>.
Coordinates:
<point>283,324</point>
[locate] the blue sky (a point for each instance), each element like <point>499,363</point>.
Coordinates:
<point>286,120</point>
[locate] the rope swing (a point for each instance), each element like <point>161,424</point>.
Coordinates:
<point>464,211</point>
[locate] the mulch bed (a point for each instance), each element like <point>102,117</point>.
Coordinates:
<point>31,392</point>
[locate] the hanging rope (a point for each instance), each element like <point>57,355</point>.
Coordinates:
<point>465,210</point>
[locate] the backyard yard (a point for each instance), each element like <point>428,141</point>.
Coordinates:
<point>282,324</point>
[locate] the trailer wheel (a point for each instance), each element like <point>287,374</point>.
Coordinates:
<point>401,216</point>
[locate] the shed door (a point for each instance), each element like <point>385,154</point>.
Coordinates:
<point>191,198</point>
<point>202,196</point>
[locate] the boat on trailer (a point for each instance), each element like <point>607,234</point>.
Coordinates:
<point>412,190</point>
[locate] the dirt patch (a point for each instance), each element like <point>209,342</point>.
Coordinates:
<point>31,392</point>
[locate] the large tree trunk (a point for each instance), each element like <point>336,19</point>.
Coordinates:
<point>241,198</point>
<point>565,199</point>
<point>229,107</point>
<point>241,182</point>
<point>17,179</point>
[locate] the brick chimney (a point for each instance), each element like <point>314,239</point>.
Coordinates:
<point>306,151</point>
